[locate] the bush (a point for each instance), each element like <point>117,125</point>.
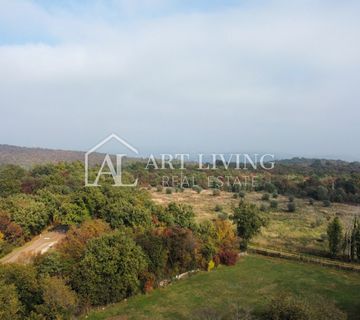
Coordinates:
<point>181,215</point>
<point>269,187</point>
<point>218,208</point>
<point>273,204</point>
<point>311,202</point>
<point>159,188</point>
<point>169,190</point>
<point>288,307</point>
<point>291,207</point>
<point>291,199</point>
<point>216,192</point>
<point>265,197</point>
<point>242,194</point>
<point>197,188</point>
<point>326,203</point>
<point>275,195</point>
<point>228,257</point>
<point>223,216</point>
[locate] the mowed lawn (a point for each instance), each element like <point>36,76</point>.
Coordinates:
<point>249,284</point>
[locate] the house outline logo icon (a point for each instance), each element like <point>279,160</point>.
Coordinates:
<point>115,173</point>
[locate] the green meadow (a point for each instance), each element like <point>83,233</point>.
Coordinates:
<point>250,284</point>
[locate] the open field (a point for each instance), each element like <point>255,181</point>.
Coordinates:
<point>303,231</point>
<point>251,283</point>
<point>203,203</point>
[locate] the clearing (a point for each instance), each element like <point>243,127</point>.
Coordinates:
<point>302,231</point>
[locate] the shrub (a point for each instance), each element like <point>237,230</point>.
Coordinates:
<point>197,188</point>
<point>159,188</point>
<point>218,208</point>
<point>228,257</point>
<point>291,199</point>
<point>148,281</point>
<point>273,204</point>
<point>311,202</point>
<point>291,207</point>
<point>182,214</point>
<point>169,190</point>
<point>216,192</point>
<point>223,216</point>
<point>242,194</point>
<point>265,197</point>
<point>275,195</point>
<point>211,265</point>
<point>288,307</point>
<point>269,187</point>
<point>326,203</point>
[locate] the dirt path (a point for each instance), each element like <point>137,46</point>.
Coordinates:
<point>39,245</point>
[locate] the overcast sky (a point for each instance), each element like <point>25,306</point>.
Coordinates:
<point>183,76</point>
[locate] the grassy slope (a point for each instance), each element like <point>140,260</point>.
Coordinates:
<point>250,283</point>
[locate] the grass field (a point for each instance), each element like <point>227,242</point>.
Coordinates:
<point>302,231</point>
<point>251,283</point>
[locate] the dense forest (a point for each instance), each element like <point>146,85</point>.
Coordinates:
<point>119,242</point>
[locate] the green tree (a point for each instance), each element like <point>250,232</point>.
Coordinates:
<point>182,247</point>
<point>51,264</point>
<point>73,246</point>
<point>110,269</point>
<point>27,212</point>
<point>335,236</point>
<point>183,214</point>
<point>248,220</point>
<point>153,245</point>
<point>25,281</point>
<point>59,301</point>
<point>10,179</point>
<point>9,302</point>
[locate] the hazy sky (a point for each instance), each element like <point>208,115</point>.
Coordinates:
<point>182,76</point>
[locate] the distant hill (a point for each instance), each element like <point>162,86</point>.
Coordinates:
<point>27,157</point>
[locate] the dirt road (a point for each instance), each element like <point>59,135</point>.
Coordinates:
<point>39,245</point>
